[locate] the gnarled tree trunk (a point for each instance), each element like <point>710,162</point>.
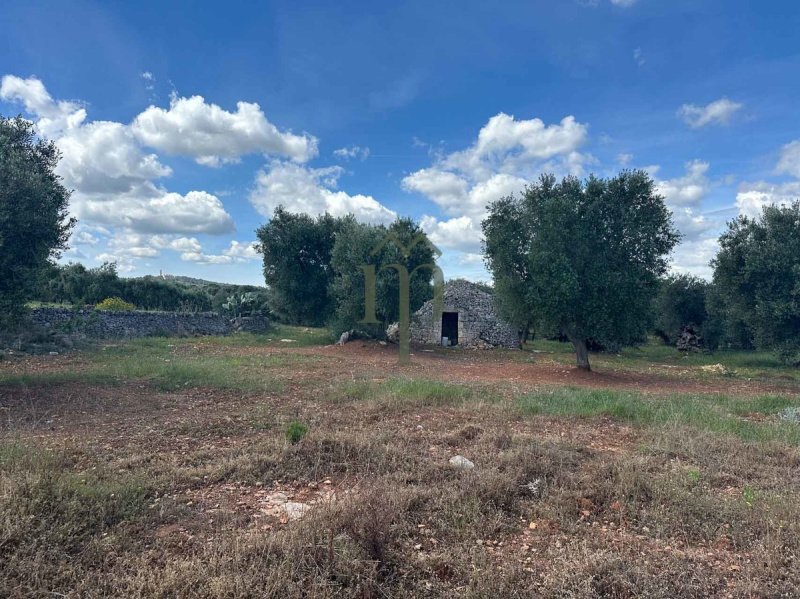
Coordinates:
<point>581,352</point>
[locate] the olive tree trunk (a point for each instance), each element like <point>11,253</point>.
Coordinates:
<point>581,352</point>
<point>524,334</point>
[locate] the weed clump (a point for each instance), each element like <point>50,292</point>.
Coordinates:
<point>296,431</point>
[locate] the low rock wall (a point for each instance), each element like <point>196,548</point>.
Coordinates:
<point>103,324</point>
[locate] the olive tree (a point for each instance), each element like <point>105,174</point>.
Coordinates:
<point>297,265</point>
<point>582,257</point>
<point>34,222</point>
<point>757,278</point>
<point>359,244</point>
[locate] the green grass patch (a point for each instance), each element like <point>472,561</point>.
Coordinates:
<point>300,336</point>
<point>741,364</point>
<point>417,392</point>
<point>167,365</point>
<point>714,413</point>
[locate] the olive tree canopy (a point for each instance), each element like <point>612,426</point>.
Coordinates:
<point>581,257</point>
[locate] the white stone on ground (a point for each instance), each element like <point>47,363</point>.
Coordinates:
<point>295,510</point>
<point>461,463</point>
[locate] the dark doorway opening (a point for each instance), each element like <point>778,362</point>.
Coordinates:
<point>450,326</point>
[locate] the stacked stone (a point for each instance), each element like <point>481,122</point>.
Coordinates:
<point>479,326</point>
<point>106,324</point>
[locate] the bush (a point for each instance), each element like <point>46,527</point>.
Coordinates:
<point>296,431</point>
<point>116,304</point>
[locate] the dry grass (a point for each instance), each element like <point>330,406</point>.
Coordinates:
<point>138,487</point>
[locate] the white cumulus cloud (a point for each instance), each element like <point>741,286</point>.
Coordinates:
<point>459,233</point>
<point>115,181</point>
<point>789,162</point>
<point>506,144</point>
<point>102,157</point>
<point>694,256</point>
<point>718,112</point>
<point>53,117</point>
<point>238,251</point>
<point>684,196</point>
<point>506,154</point>
<point>689,189</point>
<point>346,153</point>
<point>447,189</point>
<point>752,197</point>
<point>241,251</point>
<point>212,135</point>
<point>312,191</point>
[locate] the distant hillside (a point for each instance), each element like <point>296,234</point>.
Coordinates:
<point>193,282</point>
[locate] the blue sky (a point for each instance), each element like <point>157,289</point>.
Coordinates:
<point>183,126</point>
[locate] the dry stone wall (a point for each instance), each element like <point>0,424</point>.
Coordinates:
<point>102,324</point>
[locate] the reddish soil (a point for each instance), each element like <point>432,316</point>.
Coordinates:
<point>491,367</point>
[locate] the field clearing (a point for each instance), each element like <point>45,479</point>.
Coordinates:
<point>162,467</point>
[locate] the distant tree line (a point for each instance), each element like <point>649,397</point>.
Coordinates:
<point>753,300</point>
<point>76,285</point>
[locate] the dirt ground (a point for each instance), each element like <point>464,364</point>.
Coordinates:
<point>531,371</point>
<point>526,370</point>
<point>556,506</point>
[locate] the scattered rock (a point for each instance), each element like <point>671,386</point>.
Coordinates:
<point>295,510</point>
<point>790,415</point>
<point>534,487</point>
<point>393,332</point>
<point>344,338</point>
<point>459,462</point>
<point>689,341</point>
<point>716,369</point>
<point>278,498</point>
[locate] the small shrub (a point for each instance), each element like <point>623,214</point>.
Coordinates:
<point>116,304</point>
<point>296,431</point>
<point>749,495</point>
